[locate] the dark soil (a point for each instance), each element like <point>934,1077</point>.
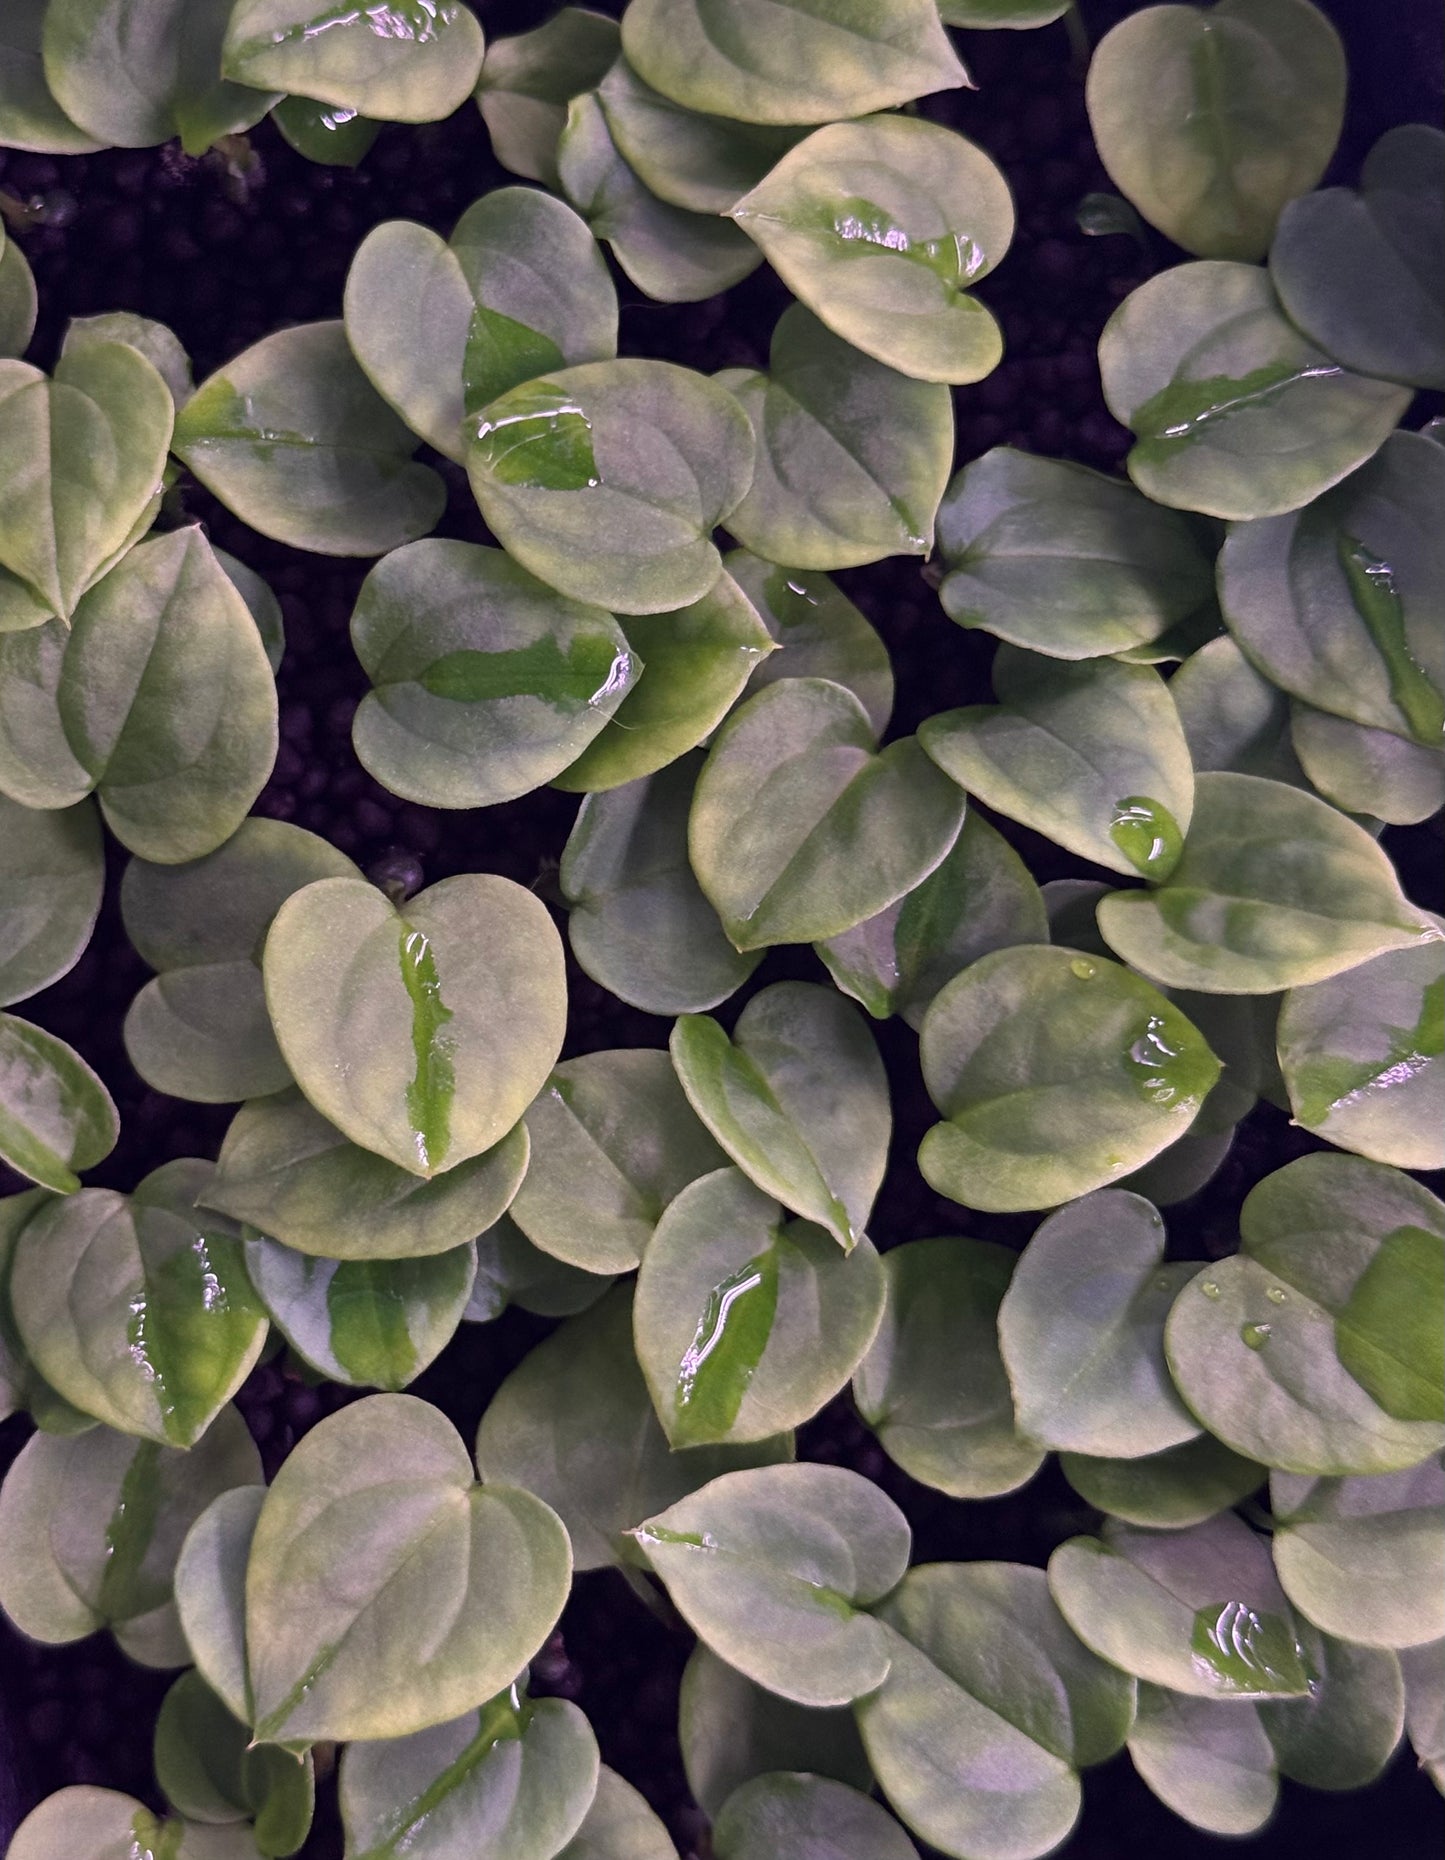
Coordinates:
<point>225,260</point>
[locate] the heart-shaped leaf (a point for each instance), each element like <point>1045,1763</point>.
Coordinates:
<point>52,874</point>
<point>18,301</point>
<point>1368,772</point>
<point>23,1390</point>
<point>56,1117</point>
<point>1234,719</point>
<point>157,342</point>
<point>1169,1490</point>
<point>210,1592</point>
<point>528,81</point>
<point>85,1823</point>
<point>816,1818</point>
<point>30,118</point>
<point>1210,1762</point>
<point>619,1825</point>
<point>206,1771</point>
<point>413,61</point>
<point>821,633</point>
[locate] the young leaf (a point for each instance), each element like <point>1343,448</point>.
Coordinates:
<point>85,1823</point>
<point>1234,412</point>
<point>851,456</point>
<point>880,227</point>
<point>932,1386</point>
<point>422,1033</point>
<point>286,1171</point>
<point>815,1818</point>
<point>157,342</point>
<point>1169,1490</point>
<point>1342,1735</point>
<point>373,1523</point>
<point>770,1569</point>
<point>619,1826</point>
<point>293,438</point>
<point>18,301</point>
<point>1057,1074</point>
<point>324,132</point>
<point>1275,889</point>
<point>210,1592</point>
<point>52,874</point>
<point>1210,119</point>
<point>528,81</point>
<point>702,163</point>
<point>412,61</point>
<point>1064,560</point>
<point>574,1424</point>
<point>798,1098</point>
<point>207,1772</point>
<point>821,633</point>
<point>801,828</point>
<point>30,118</point>
<point>56,1117</point>
<point>1208,1761</point>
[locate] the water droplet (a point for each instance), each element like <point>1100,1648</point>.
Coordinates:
<point>1147,834</point>
<point>1083,968</point>
<point>539,439</point>
<point>1210,1288</point>
<point>1255,1336</point>
<point>726,1348</point>
<point>1244,1651</point>
<point>1181,411</point>
<point>1377,601</point>
<point>1276,1294</point>
<point>1156,1062</point>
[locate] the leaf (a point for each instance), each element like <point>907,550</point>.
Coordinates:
<point>1081,1329</point>
<point>56,1116</point>
<point>671,254</point>
<point>817,1818</point>
<point>1064,560</point>
<point>732,1731</point>
<point>157,342</point>
<point>574,1424</point>
<point>695,663</point>
<point>1056,1073</point>
<point>744,1326</point>
<point>1367,772</point>
<point>1092,755</point>
<point>30,118</point>
<point>511,1270</point>
<point>851,456</point>
<point>801,828</point>
<point>606,480</point>
<point>133,73</point>
<point>1345,1733</point>
<point>820,632</point>
<point>979,899</point>
<point>1364,1559</point>
<point>91,1527</point>
<point>210,1592</point>
<point>52,874</point>
<point>373,1522</point>
<point>1210,1762</point>
<point>639,923</point>
<point>1169,1490</point>
<point>1275,889</point>
<point>1234,719</point>
<point>619,1825</point>
<point>83,455</point>
<point>807,61</point>
<point>1210,119</point>
<point>512,1779</point>
<point>1361,1055</point>
<point>1334,602</point>
<point>18,301</point>
<point>207,1773</point>
<point>880,227</point>
<point>520,289</point>
<point>613,1141</point>
<point>1198,1610</point>
<point>85,1823</point>
<point>423,1034</point>
<point>1424,1672</point>
<point>287,1172</point>
<point>324,133</point>
<point>293,438</point>
<point>528,81</point>
<point>798,1099</point>
<point>1360,273</point>
<point>22,1389</point>
<point>933,1386</point>
<point>414,61</point>
<point>1315,1349</point>
<point>1234,412</point>
<point>261,604</point>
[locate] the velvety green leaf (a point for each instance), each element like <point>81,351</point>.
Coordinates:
<point>82,454</point>
<point>695,663</point>
<point>86,1823</point>
<point>798,1098</point>
<point>1424,1672</point>
<point>1318,1348</point>
<point>770,1568</point>
<point>639,922</point>
<point>1336,602</point>
<point>91,1528</point>
<point>324,132</point>
<point>1346,1731</point>
<point>1234,719</point>
<point>1057,1073</point>
<point>1210,119</point>
<point>703,163</point>
<point>511,1781</point>
<point>18,301</point>
<point>293,438</point>
<point>613,1141</point>
<point>1210,1762</point>
<point>56,1116</point>
<point>208,1774</point>
<point>1091,755</point>
<point>522,288</point>
<point>1361,273</point>
<point>671,254</point>
<point>980,898</point>
<point>1169,1490</point>
<point>879,227</point>
<point>373,1523</point>
<point>528,81</point>
<point>801,828</point>
<point>1063,560</point>
<point>1234,412</point>
<point>619,1825</point>
<point>1364,1559</point>
<point>1372,773</point>
<point>286,1171</point>
<point>133,73</point>
<point>1362,1056</point>
<point>52,873</point>
<point>30,118</point>
<point>210,1592</point>
<point>574,1424</point>
<point>1275,889</point>
<point>851,456</point>
<point>732,1730</point>
<point>745,1326</point>
<point>424,1033</point>
<point>804,61</point>
<point>412,61</point>
<point>512,1271</point>
<point>933,1386</point>
<point>1081,1329</point>
<point>810,1817</point>
<point>823,635</point>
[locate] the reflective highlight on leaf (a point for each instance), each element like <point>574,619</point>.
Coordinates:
<point>1147,834</point>
<point>1179,413</point>
<point>1391,1332</point>
<point>1245,1652</point>
<point>720,1362</point>
<point>500,353</point>
<point>1377,601</point>
<point>590,671</point>
<point>429,1096</point>
<point>1329,1083</point>
<point>128,1533</point>
<point>541,442</point>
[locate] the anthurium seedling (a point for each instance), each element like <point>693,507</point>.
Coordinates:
<point>325,132</point>
<point>511,1271</point>
<point>30,118</point>
<point>86,1823</point>
<point>52,874</point>
<point>821,633</point>
<point>208,1772</point>
<point>527,82</point>
<point>56,1116</point>
<point>1367,772</point>
<point>18,302</point>
<point>816,1816</point>
<point>1168,1490</point>
<point>22,1388</point>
